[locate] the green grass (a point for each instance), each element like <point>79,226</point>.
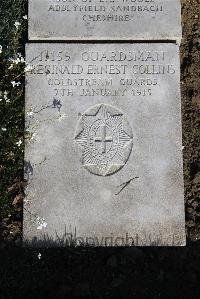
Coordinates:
<point>12,40</point>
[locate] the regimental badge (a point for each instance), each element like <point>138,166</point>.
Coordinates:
<point>106,139</point>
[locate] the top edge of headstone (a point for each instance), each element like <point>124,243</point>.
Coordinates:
<point>112,20</point>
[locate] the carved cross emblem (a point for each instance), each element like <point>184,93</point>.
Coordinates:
<point>103,139</point>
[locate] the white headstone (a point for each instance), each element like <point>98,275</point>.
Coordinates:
<point>104,149</point>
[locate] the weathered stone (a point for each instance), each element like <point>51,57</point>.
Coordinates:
<point>103,156</point>
<point>110,19</point>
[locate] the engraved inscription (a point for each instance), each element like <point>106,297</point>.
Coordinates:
<point>106,73</point>
<point>105,137</point>
<point>106,10</point>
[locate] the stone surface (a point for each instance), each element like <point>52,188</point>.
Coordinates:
<point>103,155</point>
<point>105,19</point>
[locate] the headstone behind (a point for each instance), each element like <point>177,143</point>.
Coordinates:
<point>104,150</point>
<point>105,19</point>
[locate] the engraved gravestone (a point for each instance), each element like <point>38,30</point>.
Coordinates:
<point>105,19</point>
<point>103,154</point>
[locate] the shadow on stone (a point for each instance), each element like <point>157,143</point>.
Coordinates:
<point>72,240</point>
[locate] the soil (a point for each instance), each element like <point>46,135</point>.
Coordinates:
<point>190,83</point>
<point>119,273</point>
